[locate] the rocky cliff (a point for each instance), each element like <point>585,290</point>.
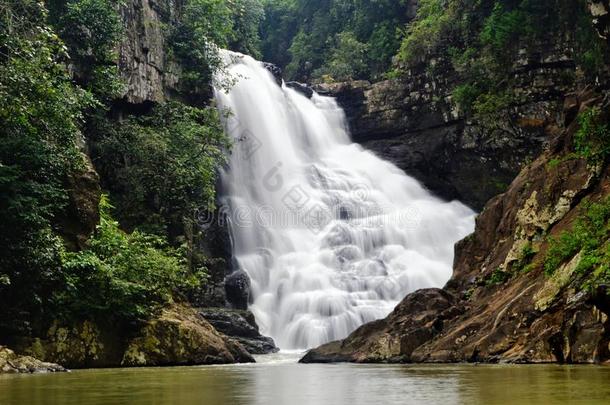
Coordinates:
<point>508,300</point>
<point>413,122</point>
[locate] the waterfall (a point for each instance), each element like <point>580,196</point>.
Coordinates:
<point>330,235</point>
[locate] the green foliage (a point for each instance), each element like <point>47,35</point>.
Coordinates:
<point>278,29</point>
<point>161,166</point>
<point>502,28</point>
<point>349,59</point>
<point>592,140</point>
<point>484,38</point>
<point>122,277</point>
<point>205,26</point>
<point>434,18</point>
<point>589,236</point>
<point>247,16</point>
<point>498,276</point>
<point>91,29</point>
<point>464,96</point>
<point>40,110</point>
<point>488,104</point>
<point>302,36</point>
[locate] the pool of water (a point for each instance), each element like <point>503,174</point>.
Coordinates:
<point>278,379</point>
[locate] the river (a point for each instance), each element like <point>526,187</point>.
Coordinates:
<point>278,379</point>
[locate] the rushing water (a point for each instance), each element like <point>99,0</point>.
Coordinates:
<point>277,382</point>
<point>331,235</point>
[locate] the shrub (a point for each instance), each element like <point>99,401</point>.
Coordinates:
<point>162,166</point>
<point>204,27</point>
<point>349,59</point>
<point>434,18</point>
<point>122,277</point>
<point>592,140</point>
<point>41,114</point>
<point>589,236</point>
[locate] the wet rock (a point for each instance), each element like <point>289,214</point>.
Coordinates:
<point>178,336</point>
<point>11,363</point>
<point>241,326</point>
<point>237,288</point>
<point>416,320</point>
<point>276,71</point>
<point>301,88</point>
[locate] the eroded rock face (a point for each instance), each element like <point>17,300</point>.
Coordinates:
<point>11,363</point>
<point>81,217</point>
<point>416,320</point>
<point>528,317</point>
<point>413,122</point>
<point>144,65</point>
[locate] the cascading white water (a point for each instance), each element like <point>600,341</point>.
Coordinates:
<point>331,235</point>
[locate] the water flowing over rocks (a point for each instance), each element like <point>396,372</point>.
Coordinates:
<point>329,235</point>
<point>529,318</point>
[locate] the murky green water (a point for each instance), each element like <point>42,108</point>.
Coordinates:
<point>279,380</point>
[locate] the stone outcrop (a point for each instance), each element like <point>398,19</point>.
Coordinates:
<point>416,320</point>
<point>241,326</point>
<point>525,316</point>
<point>178,336</point>
<point>144,63</point>
<point>11,363</point>
<point>413,122</point>
<point>81,217</point>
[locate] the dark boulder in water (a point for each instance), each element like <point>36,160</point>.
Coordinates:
<point>241,326</point>
<point>275,70</point>
<point>237,288</point>
<point>301,88</point>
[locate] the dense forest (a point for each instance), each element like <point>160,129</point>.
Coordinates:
<point>66,127</point>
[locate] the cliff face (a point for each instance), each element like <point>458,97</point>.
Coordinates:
<point>500,305</point>
<point>413,122</point>
<point>144,62</point>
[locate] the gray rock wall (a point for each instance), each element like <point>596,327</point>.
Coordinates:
<point>413,122</point>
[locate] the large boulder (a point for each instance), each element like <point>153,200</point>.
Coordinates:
<point>241,326</point>
<point>237,289</point>
<point>275,70</point>
<point>180,336</point>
